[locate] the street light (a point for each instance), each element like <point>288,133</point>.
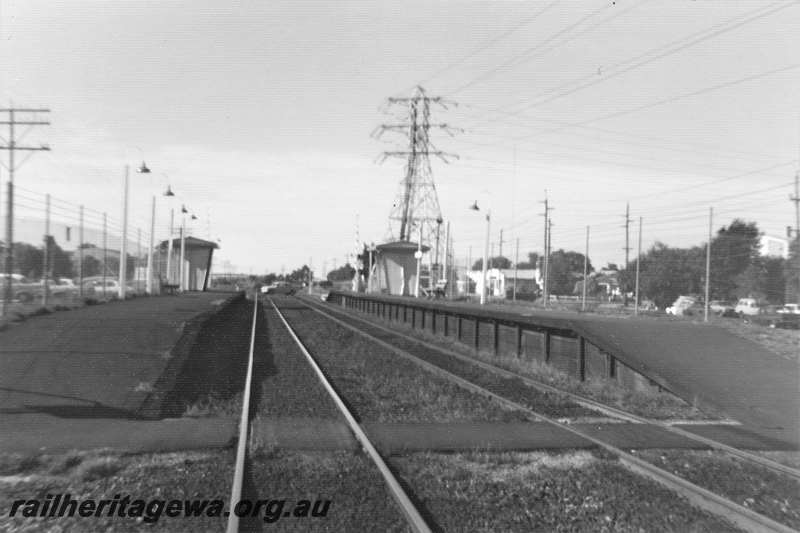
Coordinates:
<point>184,211</point>
<point>475,207</point>
<point>168,192</point>
<point>123,259</point>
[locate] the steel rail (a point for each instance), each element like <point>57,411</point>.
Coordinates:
<point>700,497</point>
<point>244,426</point>
<point>413,517</point>
<point>586,402</point>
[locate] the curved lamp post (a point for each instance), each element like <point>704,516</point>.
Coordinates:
<point>168,192</point>
<point>184,212</point>
<point>475,207</point>
<point>123,258</point>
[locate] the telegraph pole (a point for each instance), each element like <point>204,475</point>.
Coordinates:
<point>627,249</point>
<point>585,267</point>
<point>638,260</point>
<point>545,259</point>
<point>549,246</point>
<point>708,261</point>
<point>12,147</point>
<point>796,200</point>
<point>501,243</point>
<point>45,275</point>
<point>516,261</point>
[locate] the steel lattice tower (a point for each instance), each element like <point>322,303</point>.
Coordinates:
<point>416,201</point>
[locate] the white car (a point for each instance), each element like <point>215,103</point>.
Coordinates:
<point>681,305</point>
<point>790,309</point>
<point>747,306</point>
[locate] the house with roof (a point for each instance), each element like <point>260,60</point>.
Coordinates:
<point>197,260</point>
<point>500,281</point>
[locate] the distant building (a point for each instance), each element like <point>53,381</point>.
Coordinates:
<point>96,252</point>
<point>500,281</point>
<point>394,269</point>
<point>198,256</point>
<point>609,280</point>
<point>769,246</point>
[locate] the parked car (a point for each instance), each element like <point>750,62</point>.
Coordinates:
<point>95,287</point>
<point>648,305</point>
<point>790,309</point>
<point>748,307</point>
<point>25,291</point>
<point>279,287</point>
<point>684,305</point>
<point>721,308</point>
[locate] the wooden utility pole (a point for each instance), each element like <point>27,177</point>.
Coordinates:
<point>796,200</point>
<point>501,243</point>
<point>638,260</point>
<point>585,268</point>
<point>545,259</point>
<point>46,266</point>
<point>516,261</point>
<point>708,261</point>
<point>627,249</point>
<point>12,147</point>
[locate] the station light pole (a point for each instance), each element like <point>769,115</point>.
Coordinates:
<point>475,207</point>
<point>168,192</point>
<point>182,269</point>
<point>123,262</point>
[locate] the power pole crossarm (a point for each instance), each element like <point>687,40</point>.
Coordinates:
<point>12,147</point>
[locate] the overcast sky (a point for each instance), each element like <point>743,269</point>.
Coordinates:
<point>260,115</point>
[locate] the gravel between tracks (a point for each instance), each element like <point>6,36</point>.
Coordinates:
<point>289,386</point>
<point>350,481</point>
<point>379,386</point>
<point>545,403</point>
<point>574,491</point>
<point>761,490</point>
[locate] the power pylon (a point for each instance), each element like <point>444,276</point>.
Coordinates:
<point>416,202</point>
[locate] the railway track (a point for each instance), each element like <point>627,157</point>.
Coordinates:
<point>379,332</point>
<point>700,497</point>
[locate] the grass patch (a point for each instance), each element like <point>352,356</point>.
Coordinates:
<point>97,468</point>
<point>379,386</point>
<point>101,474</point>
<point>784,342</point>
<point>759,489</point>
<point>215,406</point>
<point>791,459</point>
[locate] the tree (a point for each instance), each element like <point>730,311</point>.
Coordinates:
<point>564,270</point>
<point>60,261</point>
<point>343,273</point>
<point>92,267</point>
<point>495,262</point>
<point>300,275</point>
<point>732,252</point>
<point>666,273</point>
<point>763,279</point>
<point>791,272</point>
<point>269,279</point>
<point>531,263</point>
<point>592,288</point>
<point>28,260</point>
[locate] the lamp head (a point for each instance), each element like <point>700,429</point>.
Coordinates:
<point>184,210</point>
<point>475,207</point>
<point>194,217</point>
<point>143,169</point>
<point>169,192</point>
